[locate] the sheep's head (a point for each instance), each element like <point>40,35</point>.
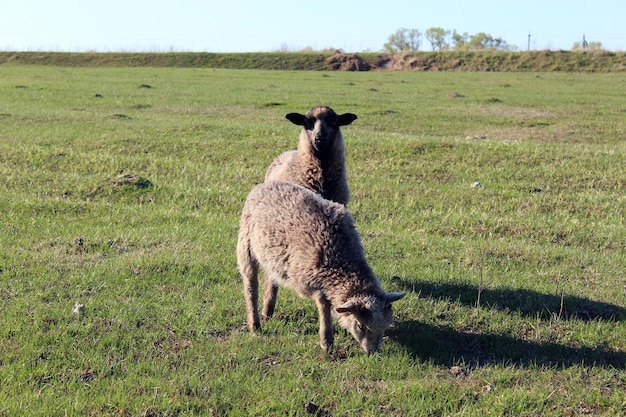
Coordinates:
<point>367,318</point>
<point>321,125</point>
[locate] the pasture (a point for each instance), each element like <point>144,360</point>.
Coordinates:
<point>498,201</point>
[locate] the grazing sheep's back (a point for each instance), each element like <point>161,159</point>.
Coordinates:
<point>309,244</point>
<point>300,233</point>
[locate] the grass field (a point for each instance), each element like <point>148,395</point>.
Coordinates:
<point>121,188</point>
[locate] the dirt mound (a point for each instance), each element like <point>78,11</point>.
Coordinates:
<point>346,62</point>
<point>132,181</point>
<point>408,62</point>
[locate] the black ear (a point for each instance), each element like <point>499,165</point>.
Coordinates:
<point>346,118</point>
<point>296,118</point>
<point>394,296</point>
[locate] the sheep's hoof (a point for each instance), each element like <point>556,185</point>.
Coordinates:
<point>326,346</point>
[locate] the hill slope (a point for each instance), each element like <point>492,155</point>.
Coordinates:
<point>567,61</point>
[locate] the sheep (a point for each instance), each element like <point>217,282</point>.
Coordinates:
<point>310,244</point>
<point>319,163</point>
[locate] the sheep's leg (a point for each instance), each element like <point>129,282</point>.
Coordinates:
<point>326,324</point>
<point>251,294</point>
<point>269,298</point>
<point>249,269</point>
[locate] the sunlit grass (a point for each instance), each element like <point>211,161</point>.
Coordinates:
<point>495,200</point>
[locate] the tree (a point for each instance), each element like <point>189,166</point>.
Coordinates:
<point>404,40</point>
<point>460,40</point>
<point>587,46</point>
<point>438,38</point>
<point>480,41</point>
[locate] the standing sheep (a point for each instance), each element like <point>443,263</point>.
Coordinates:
<point>310,244</point>
<point>319,163</point>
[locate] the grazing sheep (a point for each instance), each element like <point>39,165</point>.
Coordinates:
<point>319,163</point>
<point>310,244</point>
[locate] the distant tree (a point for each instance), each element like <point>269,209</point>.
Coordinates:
<point>480,41</point>
<point>438,38</point>
<point>595,46</point>
<point>587,46</point>
<point>410,40</point>
<point>460,40</point>
<point>404,40</point>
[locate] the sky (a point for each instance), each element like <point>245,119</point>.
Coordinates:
<point>274,25</point>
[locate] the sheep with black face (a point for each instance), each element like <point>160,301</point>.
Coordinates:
<point>319,163</point>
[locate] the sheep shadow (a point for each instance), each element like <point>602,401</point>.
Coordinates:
<point>447,347</point>
<point>527,303</point>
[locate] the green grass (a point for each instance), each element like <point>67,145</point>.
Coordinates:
<point>121,188</point>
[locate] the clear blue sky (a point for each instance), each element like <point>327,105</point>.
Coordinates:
<point>270,25</point>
